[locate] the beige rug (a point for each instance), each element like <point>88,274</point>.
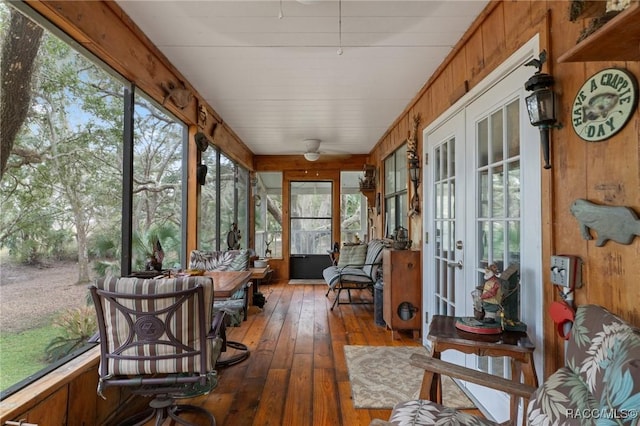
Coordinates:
<point>308,281</point>
<point>381,376</point>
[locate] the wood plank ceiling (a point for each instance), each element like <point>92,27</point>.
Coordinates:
<point>277,81</point>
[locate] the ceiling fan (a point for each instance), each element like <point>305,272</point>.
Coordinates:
<point>313,153</point>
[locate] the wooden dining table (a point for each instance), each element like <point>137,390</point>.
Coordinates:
<point>226,283</point>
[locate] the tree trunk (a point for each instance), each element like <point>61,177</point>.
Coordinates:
<point>83,251</point>
<point>274,210</point>
<point>16,68</point>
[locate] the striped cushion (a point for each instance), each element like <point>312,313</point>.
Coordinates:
<point>374,258</point>
<point>333,274</point>
<point>367,274</point>
<point>183,325</point>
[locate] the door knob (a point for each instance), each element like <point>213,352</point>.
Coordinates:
<point>452,264</point>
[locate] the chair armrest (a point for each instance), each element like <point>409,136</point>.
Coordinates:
<point>437,366</point>
<point>359,265</point>
<point>218,327</point>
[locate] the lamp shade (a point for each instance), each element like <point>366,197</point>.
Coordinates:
<point>414,170</point>
<point>311,156</point>
<point>541,107</point>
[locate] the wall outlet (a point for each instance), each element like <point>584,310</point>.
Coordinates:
<point>566,271</point>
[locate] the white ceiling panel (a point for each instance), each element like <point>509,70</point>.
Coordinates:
<point>276,82</point>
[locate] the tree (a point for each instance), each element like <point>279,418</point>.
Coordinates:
<point>19,50</point>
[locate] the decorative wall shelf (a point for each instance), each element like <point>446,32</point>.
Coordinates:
<point>371,196</point>
<point>617,40</point>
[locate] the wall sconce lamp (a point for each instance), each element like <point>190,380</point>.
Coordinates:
<point>541,104</point>
<point>414,175</point>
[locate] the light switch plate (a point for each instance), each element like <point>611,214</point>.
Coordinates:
<point>566,271</point>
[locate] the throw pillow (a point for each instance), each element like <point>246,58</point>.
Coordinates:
<point>352,255</point>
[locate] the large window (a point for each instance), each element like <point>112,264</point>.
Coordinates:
<point>353,208</point>
<point>157,184</point>
<point>60,195</point>
<point>267,188</point>
<point>92,180</point>
<point>223,202</point>
<point>395,191</point>
<point>208,235</point>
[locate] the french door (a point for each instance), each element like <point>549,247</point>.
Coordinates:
<point>482,195</point>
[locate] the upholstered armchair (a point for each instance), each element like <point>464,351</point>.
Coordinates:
<point>233,260</point>
<point>357,269</point>
<point>600,383</point>
<point>158,337</point>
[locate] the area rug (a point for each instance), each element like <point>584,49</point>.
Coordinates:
<point>381,376</point>
<point>308,281</point>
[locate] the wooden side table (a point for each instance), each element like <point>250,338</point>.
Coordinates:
<point>516,345</point>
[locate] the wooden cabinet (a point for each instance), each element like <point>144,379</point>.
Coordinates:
<point>402,290</point>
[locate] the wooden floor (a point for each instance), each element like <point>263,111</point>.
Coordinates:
<point>296,373</point>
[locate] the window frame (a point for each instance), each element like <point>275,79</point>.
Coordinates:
<point>396,192</point>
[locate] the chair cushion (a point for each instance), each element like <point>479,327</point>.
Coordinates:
<point>232,260</point>
<point>182,325</point>
<point>420,412</point>
<point>374,258</point>
<point>332,275</point>
<point>233,308</point>
<point>602,373</point>
<point>352,255</point>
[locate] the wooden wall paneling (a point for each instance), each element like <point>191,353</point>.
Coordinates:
<point>193,193</point>
<point>423,107</point>
<point>107,408</point>
<point>336,219</point>
<point>233,147</point>
<point>279,163</point>
<point>493,37</point>
<point>459,80</point>
<point>614,180</point>
<point>517,21</point>
<point>474,56</point>
<point>441,91</point>
<point>553,353</point>
<point>82,394</point>
<point>444,89</point>
<point>51,411</point>
<point>23,401</point>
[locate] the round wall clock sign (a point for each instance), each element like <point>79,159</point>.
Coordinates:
<point>604,104</point>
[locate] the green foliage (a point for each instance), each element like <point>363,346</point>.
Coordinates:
<point>76,326</point>
<point>22,353</point>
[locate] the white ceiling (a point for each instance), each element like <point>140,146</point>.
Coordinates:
<point>276,82</point>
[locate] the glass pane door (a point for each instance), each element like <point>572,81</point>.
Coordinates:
<point>444,293</point>
<point>444,194</point>
<point>310,227</point>
<point>495,218</point>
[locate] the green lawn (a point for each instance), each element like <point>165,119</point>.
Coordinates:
<point>22,354</point>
